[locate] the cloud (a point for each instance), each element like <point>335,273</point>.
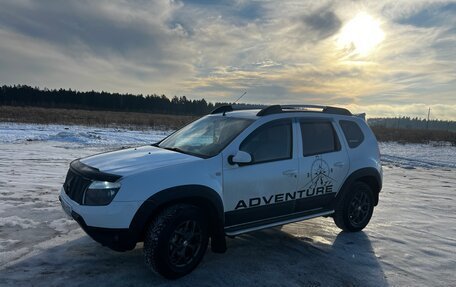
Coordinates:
<point>278,52</point>
<point>324,22</point>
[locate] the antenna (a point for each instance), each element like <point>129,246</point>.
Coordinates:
<point>427,123</point>
<point>240,97</point>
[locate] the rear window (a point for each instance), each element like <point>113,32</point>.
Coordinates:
<point>352,133</point>
<point>318,138</point>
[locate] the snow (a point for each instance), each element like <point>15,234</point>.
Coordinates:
<point>23,223</point>
<point>81,135</point>
<point>434,155</point>
<point>411,240</point>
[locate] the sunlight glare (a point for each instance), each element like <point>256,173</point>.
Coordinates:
<point>361,35</point>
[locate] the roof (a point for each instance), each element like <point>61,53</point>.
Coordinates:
<point>278,109</point>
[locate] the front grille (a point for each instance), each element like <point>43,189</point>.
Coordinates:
<point>75,185</point>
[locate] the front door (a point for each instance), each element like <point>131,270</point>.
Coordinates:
<point>266,187</point>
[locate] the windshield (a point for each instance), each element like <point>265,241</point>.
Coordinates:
<point>207,136</point>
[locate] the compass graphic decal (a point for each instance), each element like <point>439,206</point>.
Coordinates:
<point>320,174</point>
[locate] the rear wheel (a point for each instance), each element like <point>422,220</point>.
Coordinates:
<point>176,240</point>
<point>355,208</point>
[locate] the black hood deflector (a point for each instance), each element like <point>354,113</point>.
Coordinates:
<point>91,172</point>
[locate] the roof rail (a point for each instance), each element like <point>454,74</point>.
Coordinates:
<point>275,109</point>
<point>222,109</point>
<point>324,109</point>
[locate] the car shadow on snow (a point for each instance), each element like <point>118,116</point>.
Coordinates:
<point>271,257</point>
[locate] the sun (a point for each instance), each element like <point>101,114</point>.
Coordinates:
<point>361,35</point>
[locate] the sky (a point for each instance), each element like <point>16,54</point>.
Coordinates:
<point>385,58</point>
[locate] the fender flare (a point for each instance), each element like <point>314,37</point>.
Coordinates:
<point>199,194</point>
<point>369,175</point>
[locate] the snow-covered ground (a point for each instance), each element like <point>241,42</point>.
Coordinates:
<point>411,240</point>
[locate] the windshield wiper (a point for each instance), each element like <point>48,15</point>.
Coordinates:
<point>176,149</point>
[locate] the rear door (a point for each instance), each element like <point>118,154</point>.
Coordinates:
<point>323,164</point>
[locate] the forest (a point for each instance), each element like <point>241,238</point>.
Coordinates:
<point>413,123</point>
<point>27,96</point>
<point>22,95</point>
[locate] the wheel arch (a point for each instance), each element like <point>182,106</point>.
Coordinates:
<point>368,175</point>
<point>199,195</point>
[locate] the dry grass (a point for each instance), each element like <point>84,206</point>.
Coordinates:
<point>92,118</point>
<point>160,121</point>
<point>413,135</point>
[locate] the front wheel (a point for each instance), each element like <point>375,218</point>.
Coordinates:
<point>355,208</point>
<point>176,240</point>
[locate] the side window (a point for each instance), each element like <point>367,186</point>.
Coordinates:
<point>352,133</point>
<point>270,142</point>
<point>318,137</point>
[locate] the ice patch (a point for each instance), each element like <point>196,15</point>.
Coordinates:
<point>418,155</point>
<point>23,223</point>
<point>6,243</point>
<point>62,225</point>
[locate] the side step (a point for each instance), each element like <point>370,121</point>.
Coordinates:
<point>267,223</point>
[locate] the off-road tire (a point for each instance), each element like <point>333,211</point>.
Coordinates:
<point>162,231</point>
<point>349,206</point>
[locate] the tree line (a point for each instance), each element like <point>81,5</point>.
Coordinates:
<point>412,123</point>
<point>23,95</point>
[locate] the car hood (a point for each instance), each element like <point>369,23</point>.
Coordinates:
<point>133,160</point>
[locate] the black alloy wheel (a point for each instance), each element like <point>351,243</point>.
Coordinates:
<point>354,208</point>
<point>359,208</point>
<point>176,240</point>
<point>185,243</point>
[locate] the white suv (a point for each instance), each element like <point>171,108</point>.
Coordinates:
<point>228,173</point>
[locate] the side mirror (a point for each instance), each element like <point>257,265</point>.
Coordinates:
<point>240,158</point>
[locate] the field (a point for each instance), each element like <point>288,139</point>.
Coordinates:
<point>135,121</point>
<point>403,135</point>
<point>93,118</point>
<point>409,242</point>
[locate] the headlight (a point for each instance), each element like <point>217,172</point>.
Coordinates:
<point>100,193</point>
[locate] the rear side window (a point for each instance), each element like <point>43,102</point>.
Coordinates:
<point>270,142</point>
<point>318,137</point>
<point>352,133</point>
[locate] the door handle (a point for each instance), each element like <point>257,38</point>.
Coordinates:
<point>290,172</point>
<point>339,164</point>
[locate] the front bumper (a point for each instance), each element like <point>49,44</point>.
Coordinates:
<point>118,239</point>
<point>108,225</point>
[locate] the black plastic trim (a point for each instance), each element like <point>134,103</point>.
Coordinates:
<point>118,239</point>
<point>275,109</point>
<point>368,172</point>
<point>196,194</point>
<point>92,173</point>
<point>312,202</point>
<point>272,220</point>
<point>273,210</point>
<point>337,111</point>
<point>222,109</point>
<point>246,215</point>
